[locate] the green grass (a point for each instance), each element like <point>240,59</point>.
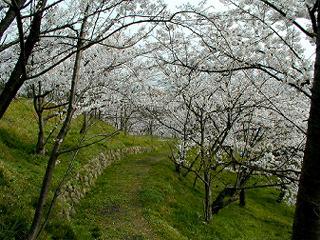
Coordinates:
<point>179,211</point>
<point>21,170</point>
<point>139,197</point>
<point>113,205</point>
<point>142,198</point>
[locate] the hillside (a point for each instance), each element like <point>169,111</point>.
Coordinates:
<point>138,197</point>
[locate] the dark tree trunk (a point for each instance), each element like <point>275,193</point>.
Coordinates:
<point>40,149</point>
<point>307,215</point>
<point>177,167</point>
<point>36,223</point>
<point>220,201</point>
<point>45,186</point>
<point>281,196</point>
<point>242,198</point>
<point>84,126</point>
<point>38,101</point>
<point>125,128</point>
<point>18,75</point>
<point>9,17</point>
<point>150,127</point>
<point>207,197</point>
<point>195,182</point>
<point>124,125</point>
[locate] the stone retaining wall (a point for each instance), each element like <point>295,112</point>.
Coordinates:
<point>76,188</point>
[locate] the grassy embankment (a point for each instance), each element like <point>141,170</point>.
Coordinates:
<point>139,197</point>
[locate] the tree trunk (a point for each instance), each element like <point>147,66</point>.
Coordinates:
<point>242,198</point>
<point>18,75</point>
<point>124,122</point>
<point>307,215</point>
<point>10,15</point>
<point>40,149</point>
<point>38,101</point>
<point>150,127</point>
<point>125,127</point>
<point>45,185</point>
<point>34,229</point>
<point>220,201</point>
<point>282,194</point>
<point>208,196</point>
<point>177,167</point>
<point>84,126</point>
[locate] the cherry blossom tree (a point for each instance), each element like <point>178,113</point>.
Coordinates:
<point>19,73</point>
<point>232,86</point>
<point>59,28</point>
<point>188,58</point>
<point>110,37</point>
<point>283,60</point>
<point>271,32</point>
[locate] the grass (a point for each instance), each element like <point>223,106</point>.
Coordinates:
<point>113,205</point>
<point>139,197</point>
<point>142,198</point>
<point>180,212</point>
<point>21,170</point>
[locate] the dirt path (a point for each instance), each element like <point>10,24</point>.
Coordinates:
<point>112,209</point>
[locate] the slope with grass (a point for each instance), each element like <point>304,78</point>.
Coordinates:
<point>142,198</point>
<point>21,170</point>
<point>138,197</point>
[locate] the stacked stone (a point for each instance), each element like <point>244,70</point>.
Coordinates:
<point>75,189</point>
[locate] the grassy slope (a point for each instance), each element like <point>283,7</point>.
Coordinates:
<point>262,218</point>
<point>139,197</point>
<point>21,171</point>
